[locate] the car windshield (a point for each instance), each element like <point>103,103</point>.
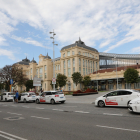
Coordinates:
<point>32,94</point>
<point>11,93</point>
<point>53,93</point>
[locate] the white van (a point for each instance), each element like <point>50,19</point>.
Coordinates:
<point>120,97</point>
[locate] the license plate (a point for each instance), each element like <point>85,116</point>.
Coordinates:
<point>61,97</point>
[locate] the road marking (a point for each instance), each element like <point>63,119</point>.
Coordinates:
<point>39,108</point>
<point>12,136</point>
<point>68,106</point>
<point>40,117</point>
<point>118,128</point>
<point>13,113</point>
<point>81,112</point>
<point>25,106</point>
<point>6,137</point>
<point>58,109</point>
<point>113,114</point>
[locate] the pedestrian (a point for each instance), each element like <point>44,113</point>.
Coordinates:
<point>17,94</point>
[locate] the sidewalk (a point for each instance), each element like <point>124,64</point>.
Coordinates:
<point>88,99</point>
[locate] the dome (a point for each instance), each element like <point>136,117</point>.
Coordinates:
<point>33,61</point>
<point>79,43</point>
<point>47,57</point>
<point>24,61</point>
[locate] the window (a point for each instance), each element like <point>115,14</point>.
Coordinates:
<point>93,64</point>
<point>124,93</point>
<point>83,53</point>
<point>79,62</point>
<point>90,64</point>
<point>112,93</point>
<point>31,70</point>
<point>91,70</point>
<point>83,71</point>
<point>36,71</point>
<point>80,69</point>
<point>56,75</point>
<point>73,62</point>
<point>40,76</point>
<point>45,68</point>
<point>79,53</point>
<point>68,53</point>
<point>73,69</point>
<point>72,52</point>
<point>88,54</point>
<point>64,64</point>
<point>83,63</point>
<point>58,67</point>
<point>74,85</point>
<point>64,72</point>
<point>40,70</point>
<point>86,70</point>
<point>26,72</point>
<point>69,63</point>
<point>69,72</point>
<point>96,66</point>
<point>86,63</point>
<point>45,75</point>
<point>64,55</point>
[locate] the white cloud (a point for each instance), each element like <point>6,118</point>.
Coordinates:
<point>29,41</point>
<point>96,20</point>
<point>135,50</point>
<point>9,54</point>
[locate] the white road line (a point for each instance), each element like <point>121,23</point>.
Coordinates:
<point>113,114</point>
<point>118,128</point>
<point>6,137</point>
<point>39,108</point>
<point>13,113</point>
<point>40,117</point>
<point>80,112</point>
<point>25,106</point>
<point>12,135</point>
<point>58,109</point>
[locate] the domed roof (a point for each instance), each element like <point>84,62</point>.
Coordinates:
<point>33,61</point>
<point>47,57</point>
<point>79,43</point>
<point>24,61</point>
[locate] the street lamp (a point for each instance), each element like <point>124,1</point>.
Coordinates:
<point>116,73</point>
<point>53,33</point>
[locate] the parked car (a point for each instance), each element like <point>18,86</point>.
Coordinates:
<point>134,105</point>
<point>120,97</point>
<point>7,96</point>
<point>27,97</point>
<point>51,97</point>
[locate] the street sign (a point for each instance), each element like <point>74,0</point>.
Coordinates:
<point>36,81</point>
<point>11,81</point>
<point>53,81</point>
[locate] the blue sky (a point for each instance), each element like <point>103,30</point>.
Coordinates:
<point>111,26</point>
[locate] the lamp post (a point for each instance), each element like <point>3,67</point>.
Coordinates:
<point>116,73</point>
<point>96,78</point>
<point>53,33</point>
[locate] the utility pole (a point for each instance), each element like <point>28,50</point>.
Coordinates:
<point>53,56</point>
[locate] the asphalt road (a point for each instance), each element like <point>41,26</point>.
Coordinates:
<point>69,121</point>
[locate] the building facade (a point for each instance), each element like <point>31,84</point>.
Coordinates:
<point>76,57</point>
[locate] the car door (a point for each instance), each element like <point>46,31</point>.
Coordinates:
<point>48,96</point>
<point>22,96</point>
<point>42,98</point>
<point>111,99</point>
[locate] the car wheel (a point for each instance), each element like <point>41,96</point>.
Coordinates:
<point>5,99</point>
<point>37,101</point>
<point>62,102</point>
<point>101,104</point>
<point>24,100</point>
<point>128,103</point>
<point>52,101</point>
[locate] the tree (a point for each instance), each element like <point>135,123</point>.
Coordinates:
<point>86,80</point>
<point>77,78</point>
<point>61,79</point>
<point>56,85</point>
<point>29,85</point>
<point>15,73</point>
<point>131,75</point>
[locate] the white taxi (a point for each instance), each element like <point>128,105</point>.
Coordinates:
<point>120,97</point>
<point>51,97</point>
<point>6,96</point>
<point>27,97</point>
<point>134,105</point>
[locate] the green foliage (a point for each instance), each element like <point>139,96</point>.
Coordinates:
<point>29,85</point>
<point>77,78</point>
<point>86,81</point>
<point>1,86</point>
<point>131,75</point>
<point>61,79</point>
